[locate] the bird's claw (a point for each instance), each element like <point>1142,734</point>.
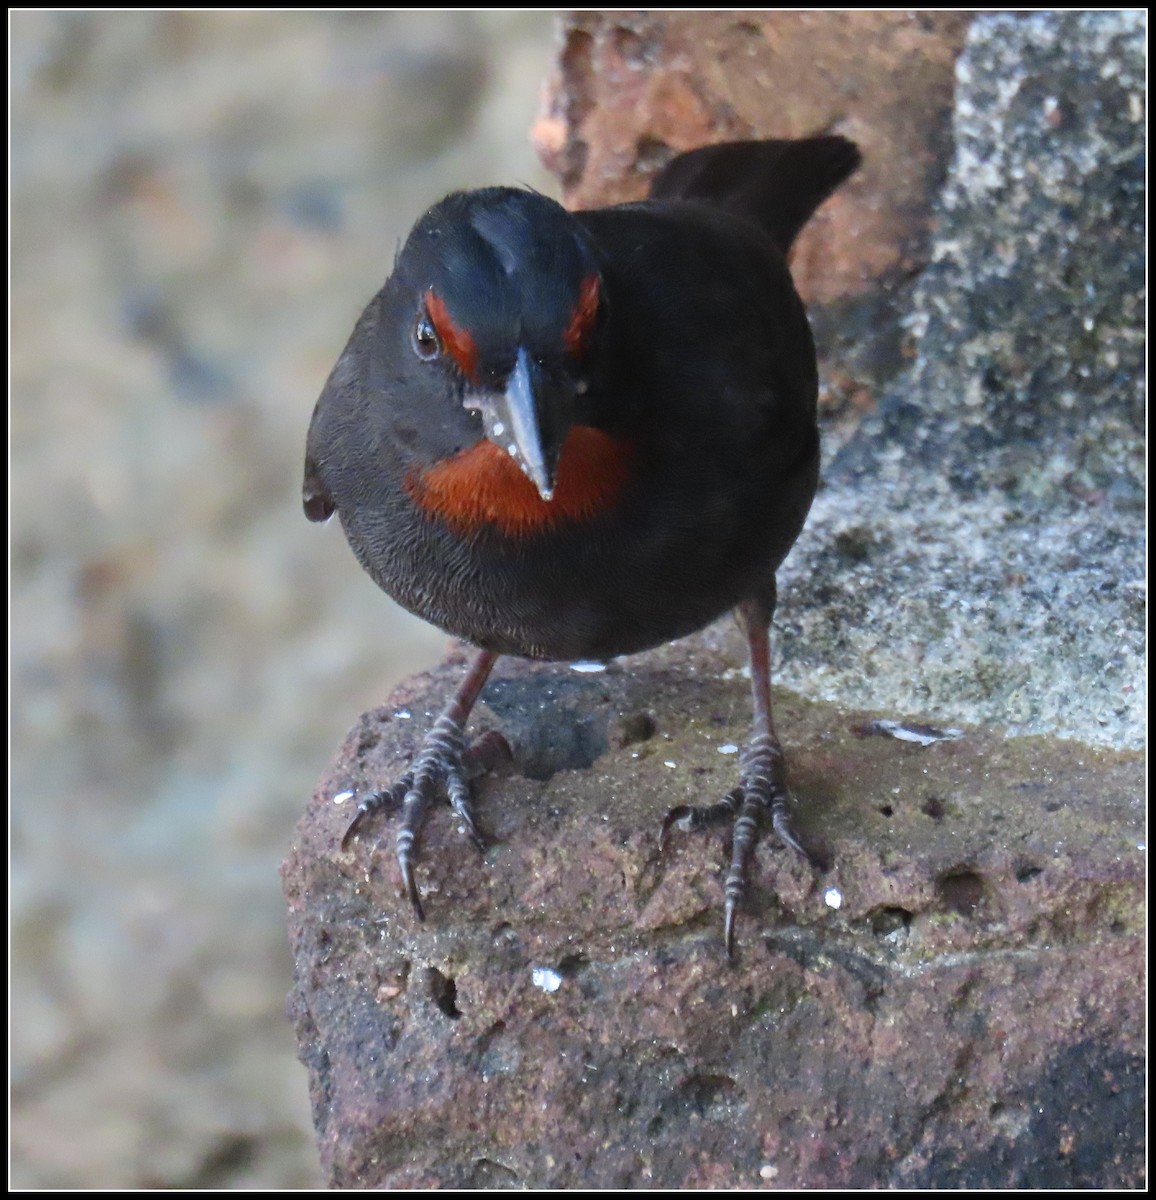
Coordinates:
<point>762,790</point>
<point>373,803</point>
<point>690,818</point>
<point>443,763</point>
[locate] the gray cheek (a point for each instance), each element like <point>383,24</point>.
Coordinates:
<point>404,434</point>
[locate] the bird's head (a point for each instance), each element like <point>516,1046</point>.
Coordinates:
<point>499,302</point>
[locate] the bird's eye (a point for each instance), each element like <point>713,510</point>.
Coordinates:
<point>426,343</point>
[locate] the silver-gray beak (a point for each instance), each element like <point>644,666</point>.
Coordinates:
<point>529,421</point>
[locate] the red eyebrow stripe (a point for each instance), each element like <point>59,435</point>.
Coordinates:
<point>582,318</point>
<point>455,339</point>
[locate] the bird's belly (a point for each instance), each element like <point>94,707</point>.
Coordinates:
<point>593,590</point>
<point>554,610</point>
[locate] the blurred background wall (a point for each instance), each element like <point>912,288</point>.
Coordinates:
<point>201,204</point>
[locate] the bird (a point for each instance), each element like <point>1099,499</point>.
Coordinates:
<point>572,435</point>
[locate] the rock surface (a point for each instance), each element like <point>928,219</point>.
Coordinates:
<point>952,1001</point>
<point>978,550</point>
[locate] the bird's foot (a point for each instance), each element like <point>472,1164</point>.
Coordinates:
<point>761,791</point>
<point>445,762</point>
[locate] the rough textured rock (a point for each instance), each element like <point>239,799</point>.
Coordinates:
<point>970,1014</point>
<point>979,547</point>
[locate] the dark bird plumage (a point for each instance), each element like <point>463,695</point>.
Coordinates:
<point>576,435</point>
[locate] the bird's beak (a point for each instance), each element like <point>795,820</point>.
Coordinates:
<point>530,420</point>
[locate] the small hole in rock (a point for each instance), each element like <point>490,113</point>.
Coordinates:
<point>854,545</point>
<point>635,728</point>
<point>889,919</point>
<point>444,992</point>
<point>570,965</point>
<point>489,1174</point>
<point>651,154</point>
<point>961,891</point>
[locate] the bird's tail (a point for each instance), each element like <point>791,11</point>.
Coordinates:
<point>776,184</point>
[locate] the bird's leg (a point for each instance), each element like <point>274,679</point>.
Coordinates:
<point>762,788</point>
<point>446,760</point>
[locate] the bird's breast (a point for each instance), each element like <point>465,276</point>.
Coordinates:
<point>483,486</point>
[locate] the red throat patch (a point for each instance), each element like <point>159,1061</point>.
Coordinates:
<point>485,486</point>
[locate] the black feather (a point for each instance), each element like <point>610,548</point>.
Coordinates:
<point>777,184</point>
